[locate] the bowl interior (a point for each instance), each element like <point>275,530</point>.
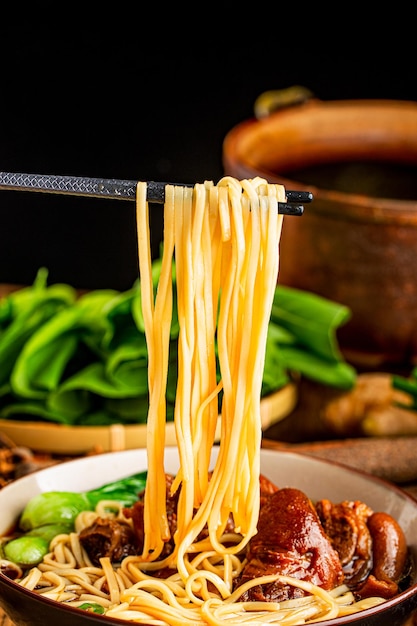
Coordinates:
<point>316,477</point>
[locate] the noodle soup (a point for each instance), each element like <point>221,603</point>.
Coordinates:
<point>319,479</point>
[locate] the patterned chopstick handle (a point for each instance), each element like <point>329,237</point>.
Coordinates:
<point>115,189</point>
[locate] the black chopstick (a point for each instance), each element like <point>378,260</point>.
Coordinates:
<point>118,189</point>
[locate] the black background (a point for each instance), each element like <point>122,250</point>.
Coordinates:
<point>149,93</point>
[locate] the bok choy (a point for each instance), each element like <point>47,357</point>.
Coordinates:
<point>83,360</point>
<point>54,512</point>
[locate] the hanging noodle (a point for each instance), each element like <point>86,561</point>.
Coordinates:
<point>226,287</point>
<point>224,243</point>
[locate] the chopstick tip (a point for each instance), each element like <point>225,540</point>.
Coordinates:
<point>290,209</point>
<point>299,196</point>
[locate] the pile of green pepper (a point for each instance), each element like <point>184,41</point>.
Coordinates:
<point>82,360</point>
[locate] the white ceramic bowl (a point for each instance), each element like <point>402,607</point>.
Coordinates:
<point>317,478</point>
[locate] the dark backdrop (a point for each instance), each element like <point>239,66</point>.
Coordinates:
<point>133,95</point>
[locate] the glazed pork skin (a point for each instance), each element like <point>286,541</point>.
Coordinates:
<point>291,542</point>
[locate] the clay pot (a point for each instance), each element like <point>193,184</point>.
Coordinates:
<point>356,243</point>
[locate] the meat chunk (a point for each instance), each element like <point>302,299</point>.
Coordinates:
<point>267,488</point>
<point>326,544</point>
<point>135,513</point>
<point>390,557</point>
<point>290,541</point>
<point>108,537</point>
<point>372,547</point>
<point>346,524</point>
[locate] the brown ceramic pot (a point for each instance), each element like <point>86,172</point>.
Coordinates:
<point>356,243</point>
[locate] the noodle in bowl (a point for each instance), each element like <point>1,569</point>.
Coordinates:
<point>317,478</point>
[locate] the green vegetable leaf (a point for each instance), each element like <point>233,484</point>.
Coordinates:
<point>46,353</point>
<point>40,305</point>
<point>84,361</point>
<point>275,374</point>
<point>128,410</point>
<point>49,531</point>
<point>53,507</point>
<point>76,406</point>
<point>332,373</point>
<point>125,490</point>
<point>311,318</point>
<point>92,607</point>
<point>407,385</point>
<point>26,550</point>
<point>54,512</point>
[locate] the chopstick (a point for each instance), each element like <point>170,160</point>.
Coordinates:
<point>118,189</point>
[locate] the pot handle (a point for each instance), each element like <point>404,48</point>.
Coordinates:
<point>277,99</point>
